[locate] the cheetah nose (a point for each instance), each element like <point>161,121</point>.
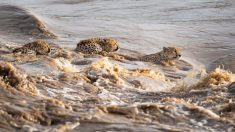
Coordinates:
<point>179,55</point>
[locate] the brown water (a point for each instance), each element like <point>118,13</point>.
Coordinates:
<point>73,92</point>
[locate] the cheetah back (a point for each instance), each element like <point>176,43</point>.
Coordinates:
<point>157,58</point>
<point>167,54</point>
<point>89,48</point>
<point>40,47</point>
<point>23,50</point>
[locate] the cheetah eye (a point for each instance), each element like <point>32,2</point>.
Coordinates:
<point>177,54</point>
<point>105,40</point>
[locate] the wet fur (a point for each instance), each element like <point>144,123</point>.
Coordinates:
<point>38,47</point>
<point>165,57</point>
<point>97,45</point>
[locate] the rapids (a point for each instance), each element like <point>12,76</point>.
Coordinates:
<point>75,92</point>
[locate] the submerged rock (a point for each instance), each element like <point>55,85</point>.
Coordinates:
<point>231,88</point>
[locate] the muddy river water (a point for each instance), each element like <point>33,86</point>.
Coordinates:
<point>76,92</point>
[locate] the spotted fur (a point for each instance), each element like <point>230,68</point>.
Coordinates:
<point>97,45</point>
<point>165,57</point>
<point>38,47</point>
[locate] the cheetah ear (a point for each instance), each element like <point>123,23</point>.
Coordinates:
<point>49,51</point>
<point>179,49</point>
<point>164,48</point>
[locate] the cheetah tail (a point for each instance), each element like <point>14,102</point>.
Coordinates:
<point>129,57</point>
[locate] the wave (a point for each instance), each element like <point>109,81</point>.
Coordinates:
<point>72,2</point>
<point>226,62</point>
<point>15,20</point>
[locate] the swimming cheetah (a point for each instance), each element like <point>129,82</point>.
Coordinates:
<point>38,47</point>
<point>164,57</point>
<point>97,46</point>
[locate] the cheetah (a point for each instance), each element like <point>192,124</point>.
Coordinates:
<point>164,57</point>
<point>97,46</point>
<point>38,47</point>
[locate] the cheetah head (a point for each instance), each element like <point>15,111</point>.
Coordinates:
<point>111,45</point>
<point>42,47</point>
<point>172,52</point>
